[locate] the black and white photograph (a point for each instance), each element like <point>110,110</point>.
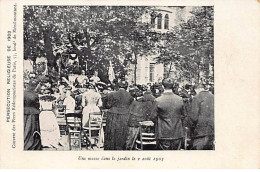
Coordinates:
<point>114,78</point>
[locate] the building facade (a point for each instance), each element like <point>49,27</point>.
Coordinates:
<point>162,20</point>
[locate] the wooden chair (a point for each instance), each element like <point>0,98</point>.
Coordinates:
<point>93,130</point>
<point>74,129</point>
<point>61,111</point>
<point>146,139</point>
<point>187,139</point>
<point>104,120</point>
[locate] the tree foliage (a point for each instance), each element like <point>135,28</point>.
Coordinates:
<point>190,46</point>
<point>96,34</point>
<point>100,34</point>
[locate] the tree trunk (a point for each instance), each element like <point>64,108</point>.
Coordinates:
<point>198,73</point>
<point>135,67</point>
<point>170,70</point>
<point>198,66</point>
<point>48,48</point>
<point>85,53</point>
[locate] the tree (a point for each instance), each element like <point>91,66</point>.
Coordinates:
<point>97,34</point>
<point>190,46</point>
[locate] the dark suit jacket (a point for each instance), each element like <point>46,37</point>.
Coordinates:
<point>140,110</point>
<point>168,109</point>
<point>148,96</point>
<point>202,114</point>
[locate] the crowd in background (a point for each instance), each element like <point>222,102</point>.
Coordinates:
<point>174,109</point>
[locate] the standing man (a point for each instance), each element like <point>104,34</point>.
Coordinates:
<point>202,118</point>
<point>168,113</point>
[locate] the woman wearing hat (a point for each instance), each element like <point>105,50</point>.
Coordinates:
<point>50,134</point>
<point>32,140</point>
<point>117,117</point>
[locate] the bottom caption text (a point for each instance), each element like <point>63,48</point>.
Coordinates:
<point>126,158</point>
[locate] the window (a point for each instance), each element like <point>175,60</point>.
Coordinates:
<point>166,21</point>
<point>151,72</point>
<point>153,21</point>
<point>159,21</point>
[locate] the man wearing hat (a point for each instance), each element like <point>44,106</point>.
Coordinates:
<point>202,118</point>
<point>168,113</point>
<point>157,89</point>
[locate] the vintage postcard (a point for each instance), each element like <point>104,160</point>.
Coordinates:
<point>130,84</point>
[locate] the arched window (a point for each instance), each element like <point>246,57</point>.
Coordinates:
<point>159,21</point>
<point>166,21</point>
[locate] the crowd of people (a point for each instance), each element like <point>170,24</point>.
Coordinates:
<point>175,111</point>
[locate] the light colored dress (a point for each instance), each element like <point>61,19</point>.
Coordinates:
<point>81,79</point>
<point>70,104</point>
<point>50,134</point>
<point>95,79</point>
<point>91,101</point>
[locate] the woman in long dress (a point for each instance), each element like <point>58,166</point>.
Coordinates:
<point>32,140</point>
<point>117,117</point>
<point>50,134</point>
<point>91,101</point>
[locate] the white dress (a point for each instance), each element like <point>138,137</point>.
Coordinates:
<point>70,104</point>
<point>50,134</point>
<point>91,101</point>
<point>95,79</point>
<point>81,79</point>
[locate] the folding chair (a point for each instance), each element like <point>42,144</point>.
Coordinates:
<point>146,139</point>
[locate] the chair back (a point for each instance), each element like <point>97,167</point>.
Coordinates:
<point>74,121</point>
<point>146,139</point>
<point>104,119</point>
<point>94,125</point>
<point>61,110</point>
<point>74,129</point>
<point>95,120</point>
